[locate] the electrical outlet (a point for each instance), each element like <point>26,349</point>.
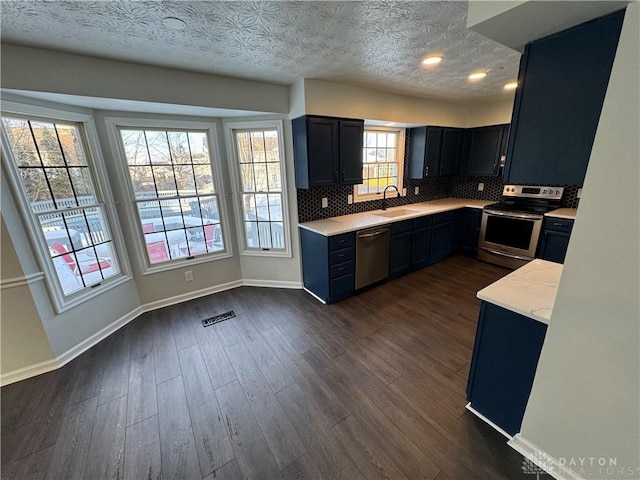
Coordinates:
<point>416,191</point>
<point>404,192</point>
<point>480,187</point>
<point>325,202</point>
<point>188,275</point>
<point>349,199</point>
<point>579,193</point>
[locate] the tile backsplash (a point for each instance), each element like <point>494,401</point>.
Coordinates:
<point>310,201</point>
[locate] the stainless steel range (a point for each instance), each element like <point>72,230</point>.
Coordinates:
<point>510,229</point>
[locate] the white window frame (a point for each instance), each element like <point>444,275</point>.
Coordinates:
<point>132,220</point>
<point>367,197</point>
<point>95,162</point>
<point>230,127</point>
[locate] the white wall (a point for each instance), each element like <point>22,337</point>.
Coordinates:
<point>23,339</point>
<point>585,398</point>
<point>516,23</point>
<point>340,100</point>
<point>22,69</point>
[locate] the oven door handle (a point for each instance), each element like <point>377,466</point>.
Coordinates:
<point>510,255</point>
<point>515,215</point>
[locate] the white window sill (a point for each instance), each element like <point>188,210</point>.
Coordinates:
<point>186,262</point>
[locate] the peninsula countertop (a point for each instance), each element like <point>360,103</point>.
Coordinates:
<point>530,290</point>
<point>359,221</point>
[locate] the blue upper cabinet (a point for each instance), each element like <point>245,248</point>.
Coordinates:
<point>482,150</point>
<point>327,151</point>
<point>562,83</point>
<point>434,151</point>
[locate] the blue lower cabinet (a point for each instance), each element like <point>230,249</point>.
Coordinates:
<point>467,230</point>
<point>400,254</point>
<point>328,264</point>
<point>554,239</point>
<point>442,237</point>
<point>505,357</point>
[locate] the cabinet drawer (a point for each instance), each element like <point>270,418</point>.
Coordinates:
<point>401,227</point>
<point>422,222</point>
<point>341,256</point>
<point>443,217</point>
<point>341,269</point>
<point>558,224</point>
<point>341,241</point>
<point>340,287</point>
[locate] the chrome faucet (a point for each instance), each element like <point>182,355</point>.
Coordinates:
<point>384,195</point>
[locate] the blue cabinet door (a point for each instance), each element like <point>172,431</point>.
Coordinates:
<point>441,241</point>
<point>554,246</point>
<point>322,140</point>
<point>451,151</point>
<point>562,83</point>
<point>482,150</point>
<point>425,146</point>
<point>351,139</point>
<point>400,254</point>
<point>467,230</point>
<point>420,248</point>
<point>505,357</point>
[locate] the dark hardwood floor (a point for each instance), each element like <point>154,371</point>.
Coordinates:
<point>370,387</point>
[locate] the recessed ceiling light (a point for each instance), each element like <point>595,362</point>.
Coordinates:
<point>174,23</point>
<point>432,60</point>
<point>477,75</point>
<point>511,86</point>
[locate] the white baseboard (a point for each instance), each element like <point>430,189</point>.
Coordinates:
<point>314,295</point>
<point>66,357</point>
<point>542,459</point>
<point>248,282</point>
<point>165,302</point>
<point>97,337</point>
<point>29,371</point>
<point>486,420</point>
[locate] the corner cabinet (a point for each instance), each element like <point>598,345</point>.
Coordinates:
<point>484,149</point>
<point>505,358</point>
<point>562,84</point>
<point>327,151</point>
<point>434,151</point>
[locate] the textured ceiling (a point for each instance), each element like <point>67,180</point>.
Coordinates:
<point>374,43</point>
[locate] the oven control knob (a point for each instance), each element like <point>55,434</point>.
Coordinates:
<point>557,192</point>
<point>544,191</point>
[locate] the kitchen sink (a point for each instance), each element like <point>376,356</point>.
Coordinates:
<point>396,213</point>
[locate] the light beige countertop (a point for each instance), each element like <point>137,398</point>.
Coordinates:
<point>568,213</point>
<point>359,221</point>
<point>530,290</point>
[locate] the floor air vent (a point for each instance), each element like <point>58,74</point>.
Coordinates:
<point>218,318</point>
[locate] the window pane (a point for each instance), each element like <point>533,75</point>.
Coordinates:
<point>264,234</point>
<point>179,147</point>
<point>257,147</point>
<point>275,207</point>
<point>61,185</point>
<point>199,147</point>
<point>243,147</point>
<point>165,181</point>
<point>204,178</point>
<point>158,147</point>
<point>260,170</point>
<point>249,207</point>
<point>262,207</point>
<point>81,180</point>
<point>135,147</point>
<point>185,179</point>
<point>143,182</point>
<point>47,142</point>
<point>71,145</point>
<point>277,235</point>
<point>274,177</point>
<point>251,232</point>
<point>171,214</point>
<point>37,189</point>
<point>21,142</point>
<point>246,178</point>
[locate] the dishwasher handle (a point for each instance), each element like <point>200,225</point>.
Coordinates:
<point>373,234</point>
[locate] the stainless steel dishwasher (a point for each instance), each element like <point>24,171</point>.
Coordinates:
<point>372,255</point>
